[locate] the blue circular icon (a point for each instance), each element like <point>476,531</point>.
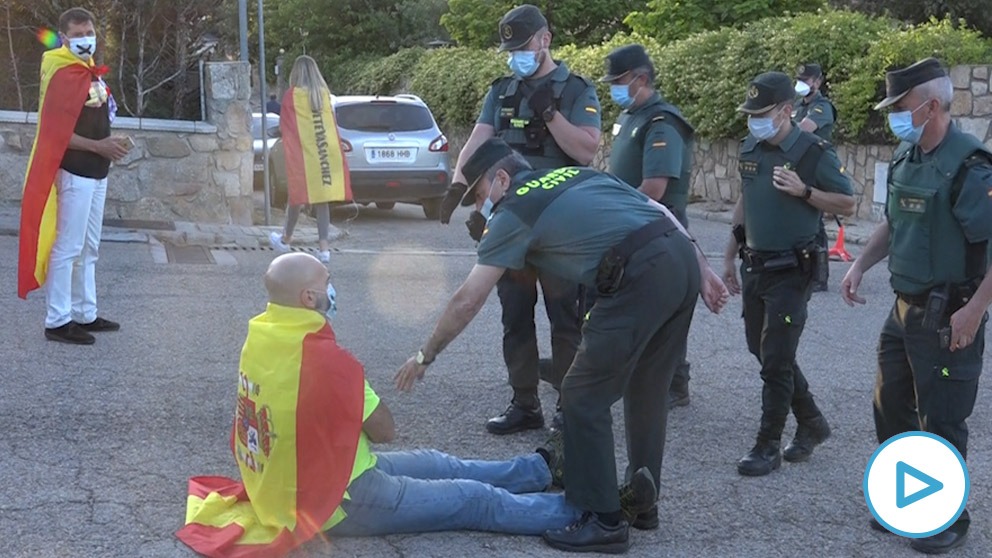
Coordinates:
<point>931,485</point>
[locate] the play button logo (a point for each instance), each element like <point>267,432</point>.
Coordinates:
<point>916,484</point>
<point>904,498</point>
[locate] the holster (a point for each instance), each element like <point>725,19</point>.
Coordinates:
<point>610,272</point>
<point>936,307</point>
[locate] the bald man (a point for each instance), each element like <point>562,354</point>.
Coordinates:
<point>291,364</point>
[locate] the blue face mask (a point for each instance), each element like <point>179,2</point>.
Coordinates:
<point>523,63</point>
<point>83,47</point>
<point>901,124</point>
<point>762,128</point>
<point>620,93</point>
<point>487,206</point>
<point>332,303</point>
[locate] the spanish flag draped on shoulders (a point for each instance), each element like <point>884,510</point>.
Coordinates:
<point>316,168</point>
<point>65,86</point>
<point>297,440</point>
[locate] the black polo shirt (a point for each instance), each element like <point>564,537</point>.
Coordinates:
<point>93,123</point>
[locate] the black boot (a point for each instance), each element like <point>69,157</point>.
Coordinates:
<point>763,458</point>
<point>678,396</point>
<point>809,434</point>
<point>639,495</point>
<point>516,418</point>
<point>944,541</point>
<point>589,534</point>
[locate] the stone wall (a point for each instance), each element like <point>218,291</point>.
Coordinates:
<point>715,178</point>
<point>178,170</point>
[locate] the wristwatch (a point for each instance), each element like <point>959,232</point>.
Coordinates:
<point>808,192</point>
<point>549,114</point>
<point>422,358</point>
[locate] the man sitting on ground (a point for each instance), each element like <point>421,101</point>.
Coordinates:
<point>305,420</point>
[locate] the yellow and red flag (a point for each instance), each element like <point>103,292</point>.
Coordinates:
<point>295,436</point>
<point>316,168</point>
<point>65,86</point>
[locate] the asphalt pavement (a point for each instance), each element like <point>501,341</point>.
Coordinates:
<point>97,443</point>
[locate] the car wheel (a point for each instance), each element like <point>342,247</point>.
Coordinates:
<point>432,208</point>
<point>385,205</point>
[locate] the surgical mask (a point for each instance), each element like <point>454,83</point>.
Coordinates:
<point>83,47</point>
<point>523,63</point>
<point>802,88</point>
<point>487,206</point>
<point>901,124</point>
<point>620,93</point>
<point>762,128</point>
<point>329,308</point>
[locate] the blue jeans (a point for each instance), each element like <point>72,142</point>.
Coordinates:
<point>426,490</point>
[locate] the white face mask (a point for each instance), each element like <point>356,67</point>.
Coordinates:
<point>802,88</point>
<point>83,47</point>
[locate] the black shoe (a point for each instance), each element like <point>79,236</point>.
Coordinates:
<point>809,434</point>
<point>589,534</point>
<point>875,525</point>
<point>69,333</point>
<point>639,495</point>
<point>646,521</point>
<point>100,324</point>
<point>763,458</point>
<point>819,287</point>
<point>516,419</point>
<point>678,397</point>
<point>553,452</point>
<point>944,541</point>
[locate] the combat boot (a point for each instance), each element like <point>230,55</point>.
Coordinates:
<point>763,458</point>
<point>809,434</point>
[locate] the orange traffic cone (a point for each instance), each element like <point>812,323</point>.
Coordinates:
<point>838,252</point>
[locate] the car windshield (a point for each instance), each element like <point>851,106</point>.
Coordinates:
<point>384,116</point>
<point>271,122</point>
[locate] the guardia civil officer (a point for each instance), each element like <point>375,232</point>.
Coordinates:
<point>589,227</point>
<point>788,177</point>
<point>651,151</point>
<point>552,117</point>
<point>937,228</point>
<point>815,113</point>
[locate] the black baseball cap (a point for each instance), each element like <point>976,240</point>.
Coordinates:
<point>492,151</point>
<point>899,82</point>
<point>519,25</point>
<point>809,71</point>
<point>625,59</point>
<point>766,91</point>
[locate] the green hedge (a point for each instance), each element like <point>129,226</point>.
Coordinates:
<point>705,74</point>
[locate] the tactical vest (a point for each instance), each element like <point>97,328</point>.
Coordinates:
<point>669,114</point>
<point>533,191</point>
<point>530,136</point>
<point>927,246</point>
<point>775,221</point>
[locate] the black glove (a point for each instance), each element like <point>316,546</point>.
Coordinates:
<point>451,199</point>
<point>476,224</point>
<point>541,99</point>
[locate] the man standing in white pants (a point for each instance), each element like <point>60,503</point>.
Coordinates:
<point>79,149</point>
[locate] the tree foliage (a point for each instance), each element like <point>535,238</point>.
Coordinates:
<point>474,22</point>
<point>975,12</point>
<point>152,48</point>
<point>670,20</point>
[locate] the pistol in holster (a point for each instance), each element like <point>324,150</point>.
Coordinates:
<point>610,273</point>
<point>936,307</point>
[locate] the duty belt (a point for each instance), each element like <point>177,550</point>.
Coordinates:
<point>757,260</point>
<point>611,267</point>
<point>958,295</point>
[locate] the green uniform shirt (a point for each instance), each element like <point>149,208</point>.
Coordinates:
<point>775,221</point>
<point>578,104</point>
<point>568,236</point>
<point>819,110</point>
<point>655,152</point>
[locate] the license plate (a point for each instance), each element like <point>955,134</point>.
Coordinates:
<point>392,155</point>
<point>259,167</point>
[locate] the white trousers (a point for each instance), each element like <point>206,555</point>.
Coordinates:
<point>70,289</point>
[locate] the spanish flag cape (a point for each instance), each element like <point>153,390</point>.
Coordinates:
<point>316,169</point>
<point>295,435</point>
<point>65,86</point>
